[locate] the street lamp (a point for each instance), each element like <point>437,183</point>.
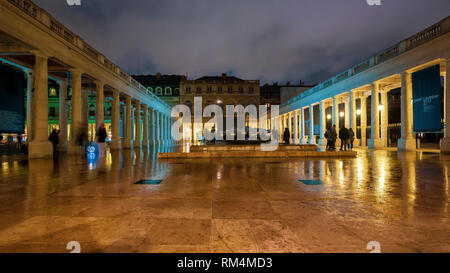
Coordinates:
<point>341,114</point>
<point>328,116</point>
<point>380,107</point>
<point>358,112</point>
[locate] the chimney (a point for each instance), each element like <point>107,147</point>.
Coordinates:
<point>224,76</point>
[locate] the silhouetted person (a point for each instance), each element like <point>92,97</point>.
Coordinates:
<point>101,139</point>
<point>54,138</point>
<point>351,138</point>
<point>343,135</point>
<point>333,137</point>
<point>19,142</point>
<point>328,138</point>
<point>286,136</point>
<point>82,139</point>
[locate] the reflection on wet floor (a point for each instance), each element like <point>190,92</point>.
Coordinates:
<point>226,205</point>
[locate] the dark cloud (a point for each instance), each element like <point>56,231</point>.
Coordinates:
<point>271,40</point>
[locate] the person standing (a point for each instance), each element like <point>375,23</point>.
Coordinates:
<point>101,139</point>
<point>328,138</point>
<point>333,135</point>
<point>351,138</point>
<point>286,136</point>
<point>343,135</point>
<point>54,139</point>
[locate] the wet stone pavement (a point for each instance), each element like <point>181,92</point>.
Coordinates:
<point>400,200</point>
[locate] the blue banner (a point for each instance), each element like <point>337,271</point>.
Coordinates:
<point>427,109</point>
<point>12,108</point>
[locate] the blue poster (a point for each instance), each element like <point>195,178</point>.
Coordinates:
<point>427,109</point>
<point>12,108</point>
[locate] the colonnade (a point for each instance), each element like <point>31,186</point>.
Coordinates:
<point>349,109</point>
<point>151,126</point>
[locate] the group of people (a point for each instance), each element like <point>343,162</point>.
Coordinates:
<point>82,139</point>
<point>347,137</point>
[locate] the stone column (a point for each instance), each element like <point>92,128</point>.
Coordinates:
<point>62,146</point>
<point>166,131</point>
<point>151,125</point>
<point>375,141</point>
<point>137,127</point>
<point>323,125</point>
<point>116,143</point>
<point>75,126</point>
<point>128,143</point>
<point>445,143</point>
<point>312,139</point>
<point>84,111</point>
<point>145,126</point>
<point>99,104</point>
<point>295,127</point>
<point>406,142</point>
<point>289,125</point>
<point>336,117</point>
<point>353,116</point>
<point>384,118</point>
<point>30,105</point>
<point>157,129</point>
<point>302,126</point>
<point>363,120</point>
<point>40,147</point>
<point>163,129</point>
<point>347,113</point>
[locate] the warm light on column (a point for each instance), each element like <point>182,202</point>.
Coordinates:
<point>358,112</point>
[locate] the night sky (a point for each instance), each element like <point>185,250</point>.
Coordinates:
<point>269,40</point>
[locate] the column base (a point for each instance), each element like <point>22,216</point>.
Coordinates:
<point>375,143</point>
<point>127,144</point>
<point>362,142</point>
<point>312,141</point>
<point>405,145</point>
<point>445,145</point>
<point>40,149</point>
<point>115,145</point>
<point>303,141</point>
<point>322,142</point>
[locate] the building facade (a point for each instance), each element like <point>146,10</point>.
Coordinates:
<point>220,90</point>
<point>166,87</point>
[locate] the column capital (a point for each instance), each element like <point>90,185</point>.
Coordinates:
<point>99,83</point>
<point>75,71</point>
<point>39,53</point>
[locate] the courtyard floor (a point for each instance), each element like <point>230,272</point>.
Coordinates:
<point>400,200</point>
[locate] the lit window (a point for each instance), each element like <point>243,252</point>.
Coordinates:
<point>52,92</point>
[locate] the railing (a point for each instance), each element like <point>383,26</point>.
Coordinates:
<point>27,6</point>
<point>42,16</point>
<point>418,39</point>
